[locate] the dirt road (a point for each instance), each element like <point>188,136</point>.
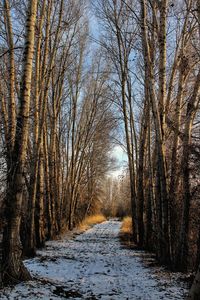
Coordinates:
<point>92,266</point>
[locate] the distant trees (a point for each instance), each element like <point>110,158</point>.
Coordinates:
<point>118,40</point>
<point>116,196</point>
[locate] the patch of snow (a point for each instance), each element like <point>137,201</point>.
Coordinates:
<point>94,266</point>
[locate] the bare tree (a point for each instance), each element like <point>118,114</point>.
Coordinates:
<point>13,268</point>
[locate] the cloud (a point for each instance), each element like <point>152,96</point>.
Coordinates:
<point>120,156</point>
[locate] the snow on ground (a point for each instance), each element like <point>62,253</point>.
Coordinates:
<point>92,266</point>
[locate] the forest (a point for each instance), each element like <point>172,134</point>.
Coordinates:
<point>79,78</point>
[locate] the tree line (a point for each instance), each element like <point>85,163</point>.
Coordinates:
<point>153,47</point>
<point>56,123</point>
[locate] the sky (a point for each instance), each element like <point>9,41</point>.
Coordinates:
<point>121,158</point>
<point>117,153</point>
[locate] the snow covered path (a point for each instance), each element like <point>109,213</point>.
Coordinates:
<point>92,266</point>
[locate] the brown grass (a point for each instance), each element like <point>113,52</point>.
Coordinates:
<point>91,220</point>
<point>126,235</point>
<point>126,227</point>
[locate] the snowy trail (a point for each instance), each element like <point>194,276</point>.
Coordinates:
<point>94,266</point>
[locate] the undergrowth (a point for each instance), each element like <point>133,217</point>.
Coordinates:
<point>126,227</point>
<point>91,220</point>
<point>126,233</point>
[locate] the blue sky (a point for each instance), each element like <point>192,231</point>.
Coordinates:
<point>117,153</point>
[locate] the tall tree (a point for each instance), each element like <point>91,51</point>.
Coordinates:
<point>13,268</point>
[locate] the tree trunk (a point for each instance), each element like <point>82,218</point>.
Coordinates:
<point>39,216</point>
<point>11,102</point>
<point>164,254</point>
<point>13,269</point>
<point>142,153</point>
<point>31,240</point>
<point>192,106</point>
<point>194,293</point>
<point>173,187</point>
<point>123,76</point>
<point>151,218</point>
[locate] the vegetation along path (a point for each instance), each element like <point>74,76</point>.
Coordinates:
<point>94,265</point>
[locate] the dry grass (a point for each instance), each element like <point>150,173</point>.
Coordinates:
<point>91,220</point>
<point>126,235</point>
<point>126,227</point>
